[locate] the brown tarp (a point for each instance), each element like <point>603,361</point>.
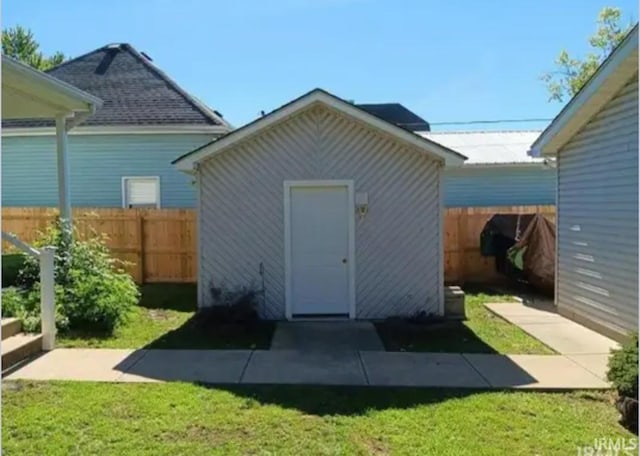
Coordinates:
<point>539,257</point>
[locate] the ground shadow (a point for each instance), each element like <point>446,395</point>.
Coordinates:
<point>181,297</point>
<point>523,291</point>
<point>343,400</point>
<point>198,334</point>
<point>451,336</point>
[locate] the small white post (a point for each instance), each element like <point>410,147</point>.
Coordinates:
<point>47,298</point>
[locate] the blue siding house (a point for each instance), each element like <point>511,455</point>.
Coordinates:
<point>498,171</point>
<point>121,156</point>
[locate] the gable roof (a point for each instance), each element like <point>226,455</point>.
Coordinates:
<point>604,84</point>
<point>397,114</point>
<point>490,147</point>
<point>186,162</point>
<point>133,90</point>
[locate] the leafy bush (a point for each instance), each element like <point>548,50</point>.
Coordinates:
<point>623,368</point>
<point>25,305</point>
<point>92,291</point>
<point>11,264</point>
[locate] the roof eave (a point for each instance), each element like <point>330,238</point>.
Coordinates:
<point>536,164</point>
<point>77,103</point>
<point>142,129</point>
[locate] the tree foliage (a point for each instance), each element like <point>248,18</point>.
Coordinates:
<point>572,73</point>
<point>19,43</point>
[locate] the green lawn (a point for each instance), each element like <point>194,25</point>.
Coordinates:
<point>482,332</point>
<point>64,418</point>
<point>164,319</point>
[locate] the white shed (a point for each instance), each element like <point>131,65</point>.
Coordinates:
<point>338,212</point>
<point>595,142</point>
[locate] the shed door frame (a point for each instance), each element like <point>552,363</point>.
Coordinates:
<point>351,223</point>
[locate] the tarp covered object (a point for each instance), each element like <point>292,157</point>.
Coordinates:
<point>499,234</point>
<point>538,260</point>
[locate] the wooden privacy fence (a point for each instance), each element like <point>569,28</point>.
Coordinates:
<point>462,228</point>
<point>160,244</point>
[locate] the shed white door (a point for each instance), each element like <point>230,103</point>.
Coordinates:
<point>319,249</point>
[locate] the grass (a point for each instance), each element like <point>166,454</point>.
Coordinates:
<point>58,418</point>
<point>164,318</point>
<point>482,332</point>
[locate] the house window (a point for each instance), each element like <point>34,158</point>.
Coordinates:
<point>141,192</point>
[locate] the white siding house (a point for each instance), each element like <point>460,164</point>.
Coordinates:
<point>341,211</point>
<point>595,141</point>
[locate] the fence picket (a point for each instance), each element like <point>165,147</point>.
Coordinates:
<point>160,244</point>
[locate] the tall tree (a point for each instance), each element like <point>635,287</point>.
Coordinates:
<point>572,73</point>
<point>19,43</point>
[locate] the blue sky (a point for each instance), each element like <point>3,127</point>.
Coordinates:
<point>450,60</point>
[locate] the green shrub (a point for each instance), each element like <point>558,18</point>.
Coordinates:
<point>623,368</point>
<point>92,291</point>
<point>11,264</point>
<point>25,305</point>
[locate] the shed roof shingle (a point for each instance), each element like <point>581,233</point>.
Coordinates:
<point>134,91</point>
<point>397,114</point>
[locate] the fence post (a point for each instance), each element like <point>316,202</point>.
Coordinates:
<point>462,245</point>
<point>47,298</point>
<point>141,258</point>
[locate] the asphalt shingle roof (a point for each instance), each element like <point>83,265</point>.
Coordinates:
<point>397,114</point>
<point>134,91</point>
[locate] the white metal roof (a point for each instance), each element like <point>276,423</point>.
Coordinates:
<point>489,147</point>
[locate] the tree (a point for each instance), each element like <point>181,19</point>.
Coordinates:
<point>19,43</point>
<point>573,73</point>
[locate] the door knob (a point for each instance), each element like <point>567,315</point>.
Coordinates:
<point>344,261</point>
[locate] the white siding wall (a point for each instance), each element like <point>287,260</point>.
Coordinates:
<point>598,218</point>
<point>397,243</point>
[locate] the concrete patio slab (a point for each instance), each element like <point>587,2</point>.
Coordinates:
<point>570,338</point>
<point>104,365</point>
<point>596,364</point>
<point>518,313</point>
<point>304,367</point>
<point>420,369</point>
<point>534,372</point>
<point>561,334</point>
<point>326,336</point>
<point>205,366</point>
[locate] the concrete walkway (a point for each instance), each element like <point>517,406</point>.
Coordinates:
<point>581,345</point>
<point>375,368</point>
<point>351,353</point>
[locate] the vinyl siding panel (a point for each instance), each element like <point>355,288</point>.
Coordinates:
<point>397,243</point>
<point>475,186</point>
<point>97,165</point>
<point>598,218</point>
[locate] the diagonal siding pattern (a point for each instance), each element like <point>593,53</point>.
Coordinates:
<point>598,218</point>
<point>397,243</point>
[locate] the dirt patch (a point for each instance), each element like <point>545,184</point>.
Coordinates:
<point>158,314</point>
<point>372,445</point>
